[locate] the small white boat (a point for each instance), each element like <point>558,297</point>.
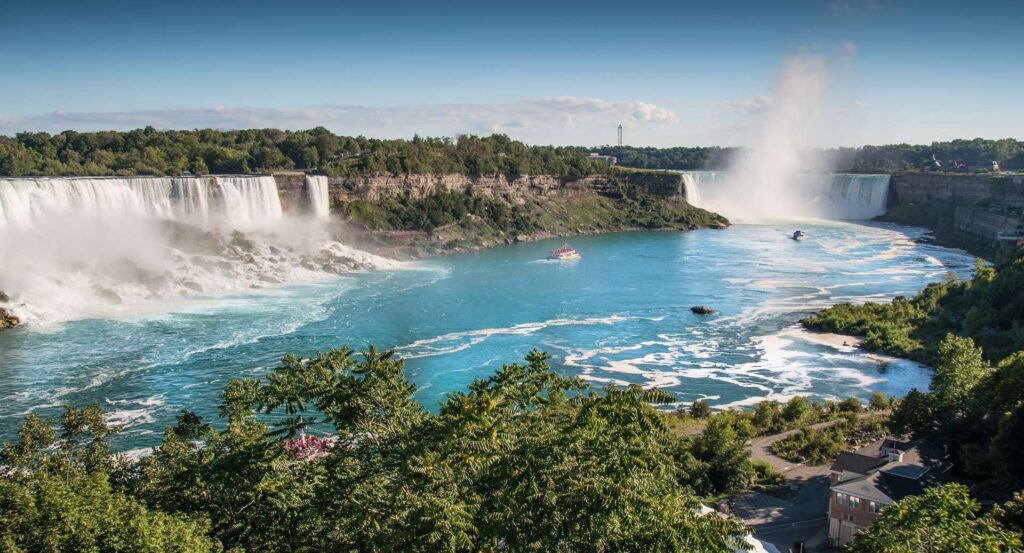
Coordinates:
<point>564,253</point>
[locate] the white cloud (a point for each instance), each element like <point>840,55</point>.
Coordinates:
<point>563,119</point>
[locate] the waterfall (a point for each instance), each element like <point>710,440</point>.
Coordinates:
<point>855,196</point>
<point>693,181</point>
<point>73,248</point>
<point>249,200</point>
<point>831,196</point>
<point>246,201</point>
<point>316,192</point>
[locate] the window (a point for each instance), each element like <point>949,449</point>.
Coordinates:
<point>874,507</point>
<point>854,502</point>
<point>841,498</point>
<point>848,517</point>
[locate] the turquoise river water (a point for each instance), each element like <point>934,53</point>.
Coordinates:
<point>618,315</point>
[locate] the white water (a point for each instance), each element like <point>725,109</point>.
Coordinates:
<point>74,248</point>
<point>834,196</point>
<point>235,201</point>
<point>316,191</point>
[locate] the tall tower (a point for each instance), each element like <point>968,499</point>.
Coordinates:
<point>620,135</point>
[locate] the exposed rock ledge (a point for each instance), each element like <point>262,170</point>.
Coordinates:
<point>7,320</point>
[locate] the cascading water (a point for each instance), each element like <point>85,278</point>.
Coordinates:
<point>234,200</point>
<point>832,196</point>
<point>86,247</point>
<point>856,197</point>
<point>693,181</point>
<point>319,200</point>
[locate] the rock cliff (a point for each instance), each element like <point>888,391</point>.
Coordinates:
<point>518,189</point>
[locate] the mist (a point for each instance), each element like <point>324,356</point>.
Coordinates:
<point>774,178</point>
<point>142,246</point>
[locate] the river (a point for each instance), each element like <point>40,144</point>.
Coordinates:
<point>620,314</point>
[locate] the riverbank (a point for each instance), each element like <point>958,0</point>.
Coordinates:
<point>938,218</point>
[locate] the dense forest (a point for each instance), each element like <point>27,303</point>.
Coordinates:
<point>152,152</point>
<point>866,159</point>
<point>520,461</point>
<point>332,453</point>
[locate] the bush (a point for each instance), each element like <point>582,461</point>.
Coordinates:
<point>879,401</point>
<point>700,409</point>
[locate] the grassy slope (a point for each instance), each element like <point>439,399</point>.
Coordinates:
<point>537,218</point>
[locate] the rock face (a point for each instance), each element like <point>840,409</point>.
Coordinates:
<point>955,188</point>
<point>374,187</point>
<point>7,320</point>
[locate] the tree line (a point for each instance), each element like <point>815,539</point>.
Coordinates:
<point>865,159</point>
<point>151,152</point>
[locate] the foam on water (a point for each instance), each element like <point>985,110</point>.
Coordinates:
<point>620,315</point>
<point>77,248</point>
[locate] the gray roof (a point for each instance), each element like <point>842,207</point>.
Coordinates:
<point>849,461</point>
<point>885,482</point>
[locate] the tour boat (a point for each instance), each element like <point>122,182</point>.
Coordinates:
<point>563,253</point>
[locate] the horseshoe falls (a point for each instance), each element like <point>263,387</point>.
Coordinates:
<point>830,196</point>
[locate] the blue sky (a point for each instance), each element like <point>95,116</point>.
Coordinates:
<point>545,72</point>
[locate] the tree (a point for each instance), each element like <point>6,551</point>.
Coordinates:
<point>723,446</point>
<point>795,408</point>
<point>59,496</point>
<point>879,401</point>
<point>700,409</point>
<point>914,414</point>
<point>960,369</point>
<point>941,520</point>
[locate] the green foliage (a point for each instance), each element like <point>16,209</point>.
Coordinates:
<point>795,409</point>
<point>151,152</point>
<point>959,370</point>
<point>819,446</point>
<point>816,447</point>
<point>879,401</point>
<point>866,159</point>
<point>56,495</point>
<point>525,460</point>
<point>722,447</point>
<point>700,409</point>
<point>680,158</point>
<point>942,520</point>
<point>988,308</point>
<point>441,208</point>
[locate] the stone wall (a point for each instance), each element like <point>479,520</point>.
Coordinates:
<point>907,188</point>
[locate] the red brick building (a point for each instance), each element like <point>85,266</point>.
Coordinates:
<point>864,483</point>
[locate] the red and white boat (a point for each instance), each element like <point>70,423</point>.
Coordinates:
<point>563,254</point>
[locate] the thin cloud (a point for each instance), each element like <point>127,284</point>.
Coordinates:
<point>542,119</point>
<point>755,104</point>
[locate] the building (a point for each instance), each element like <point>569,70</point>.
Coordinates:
<point>864,483</point>
<point>610,160</point>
